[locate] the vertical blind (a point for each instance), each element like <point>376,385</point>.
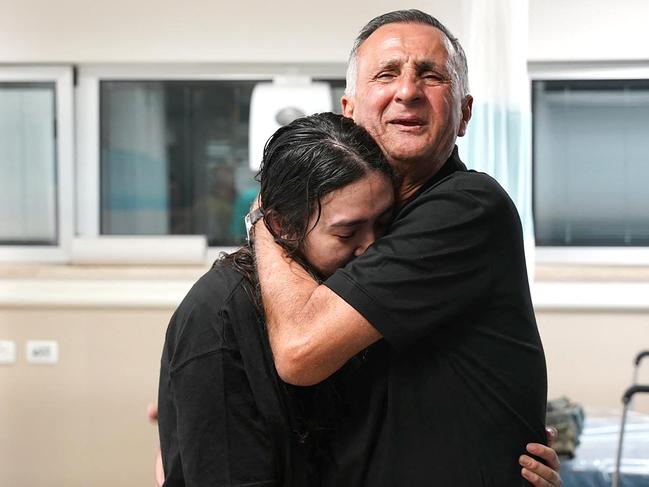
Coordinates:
<point>28,169</point>
<point>591,162</point>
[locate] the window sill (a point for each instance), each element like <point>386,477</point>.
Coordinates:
<point>590,296</point>
<point>96,286</point>
<point>557,288</point>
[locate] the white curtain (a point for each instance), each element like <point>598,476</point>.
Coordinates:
<point>27,164</point>
<point>498,139</point>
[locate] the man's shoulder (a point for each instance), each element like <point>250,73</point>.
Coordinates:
<point>470,180</point>
<point>466,187</point>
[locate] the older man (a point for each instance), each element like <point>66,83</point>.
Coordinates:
<point>457,387</point>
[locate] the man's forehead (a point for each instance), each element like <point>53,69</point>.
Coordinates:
<point>414,39</point>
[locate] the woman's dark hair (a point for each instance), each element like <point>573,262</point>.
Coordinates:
<point>306,160</point>
<point>303,162</point>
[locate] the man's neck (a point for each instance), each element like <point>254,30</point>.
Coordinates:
<point>411,176</point>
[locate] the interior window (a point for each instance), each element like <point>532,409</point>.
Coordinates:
<point>28,165</point>
<point>591,162</point>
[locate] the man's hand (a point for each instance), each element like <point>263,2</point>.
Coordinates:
<point>534,471</point>
<point>312,331</point>
<point>159,474</point>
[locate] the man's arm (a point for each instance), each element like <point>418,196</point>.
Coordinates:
<point>312,331</point>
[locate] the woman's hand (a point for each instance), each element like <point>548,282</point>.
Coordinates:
<point>537,473</point>
<point>159,475</point>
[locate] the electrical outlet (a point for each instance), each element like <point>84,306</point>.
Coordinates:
<point>7,352</point>
<point>42,352</point>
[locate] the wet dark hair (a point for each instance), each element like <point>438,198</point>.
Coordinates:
<point>306,160</point>
<point>303,162</point>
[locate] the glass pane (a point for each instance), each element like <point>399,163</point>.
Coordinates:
<point>337,91</point>
<point>174,158</point>
<point>28,164</point>
<point>591,162</point>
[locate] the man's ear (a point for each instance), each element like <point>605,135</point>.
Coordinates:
<point>347,103</point>
<point>467,107</point>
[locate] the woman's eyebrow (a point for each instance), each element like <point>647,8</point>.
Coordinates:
<point>348,223</point>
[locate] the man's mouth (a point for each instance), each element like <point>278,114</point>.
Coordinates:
<point>408,121</point>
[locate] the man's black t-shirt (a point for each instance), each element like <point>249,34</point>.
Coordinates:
<point>458,387</point>
<point>224,416</point>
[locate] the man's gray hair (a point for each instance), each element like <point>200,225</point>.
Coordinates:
<point>457,58</point>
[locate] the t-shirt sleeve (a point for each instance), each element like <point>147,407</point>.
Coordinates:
<point>212,433</point>
<point>431,268</point>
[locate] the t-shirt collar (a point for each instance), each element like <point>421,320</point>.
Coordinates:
<point>452,164</point>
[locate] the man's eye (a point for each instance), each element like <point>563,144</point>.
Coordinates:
<point>434,77</point>
<point>345,236</point>
<point>385,76</point>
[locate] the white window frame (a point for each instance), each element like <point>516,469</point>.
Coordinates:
<point>89,78</point>
<point>63,78</point>
<point>619,256</point>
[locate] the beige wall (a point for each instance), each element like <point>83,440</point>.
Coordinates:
<point>81,422</point>
<point>590,355</point>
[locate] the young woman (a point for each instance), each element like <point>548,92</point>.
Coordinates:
<point>225,418</point>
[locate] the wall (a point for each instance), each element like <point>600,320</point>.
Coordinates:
<point>81,422</point>
<point>78,31</point>
<point>590,355</point>
<point>198,31</point>
<point>588,30</point>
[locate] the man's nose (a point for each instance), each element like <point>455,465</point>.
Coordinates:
<point>408,89</point>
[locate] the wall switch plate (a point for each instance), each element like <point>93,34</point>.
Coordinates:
<point>7,352</point>
<point>42,352</point>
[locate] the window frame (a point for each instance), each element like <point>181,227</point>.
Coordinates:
<point>62,77</point>
<point>565,70</point>
<point>88,114</point>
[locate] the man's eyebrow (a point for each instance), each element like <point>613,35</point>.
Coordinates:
<point>424,65</point>
<point>389,64</point>
<point>428,65</point>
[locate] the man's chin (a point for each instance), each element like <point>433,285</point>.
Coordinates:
<point>408,157</point>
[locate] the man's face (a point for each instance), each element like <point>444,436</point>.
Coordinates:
<point>405,95</point>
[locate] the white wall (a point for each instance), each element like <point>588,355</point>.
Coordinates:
<point>80,31</point>
<point>588,30</point>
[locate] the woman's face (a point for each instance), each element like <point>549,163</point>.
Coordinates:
<point>351,218</point>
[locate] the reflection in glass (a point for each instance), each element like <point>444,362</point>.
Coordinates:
<point>174,158</point>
